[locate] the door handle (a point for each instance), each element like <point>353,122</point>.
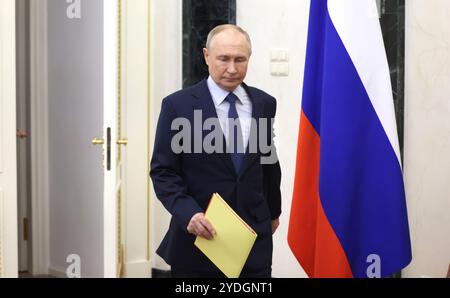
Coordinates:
<point>21,134</point>
<point>97,141</point>
<point>122,142</point>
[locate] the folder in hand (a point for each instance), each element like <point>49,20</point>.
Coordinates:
<point>234,239</point>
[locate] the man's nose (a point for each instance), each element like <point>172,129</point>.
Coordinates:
<point>231,68</point>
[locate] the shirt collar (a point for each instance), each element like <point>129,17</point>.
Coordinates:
<point>218,94</point>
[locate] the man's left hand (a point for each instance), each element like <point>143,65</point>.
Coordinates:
<point>275,224</point>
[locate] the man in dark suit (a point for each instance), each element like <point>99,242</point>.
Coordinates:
<point>247,178</point>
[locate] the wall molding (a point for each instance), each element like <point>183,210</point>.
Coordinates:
<point>39,141</point>
<point>1,104</point>
<point>1,234</point>
<point>138,269</point>
<point>1,110</point>
<point>135,97</point>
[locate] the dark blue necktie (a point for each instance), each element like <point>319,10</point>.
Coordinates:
<point>235,133</point>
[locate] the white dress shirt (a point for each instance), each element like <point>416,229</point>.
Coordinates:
<point>244,108</point>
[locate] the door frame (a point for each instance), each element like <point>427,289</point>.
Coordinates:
<point>8,166</point>
<point>23,196</point>
<point>40,227</point>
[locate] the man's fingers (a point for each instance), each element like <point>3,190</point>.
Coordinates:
<point>193,223</point>
<point>200,226</point>
<point>208,226</point>
<point>207,235</point>
<point>203,231</point>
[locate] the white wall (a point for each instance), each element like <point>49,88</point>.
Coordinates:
<point>165,78</point>
<point>427,135</point>
<point>75,116</point>
<point>279,24</point>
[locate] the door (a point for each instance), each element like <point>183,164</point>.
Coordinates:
<point>74,68</point>
<point>8,168</point>
<point>84,180</point>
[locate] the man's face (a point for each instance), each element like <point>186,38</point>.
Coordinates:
<point>227,59</point>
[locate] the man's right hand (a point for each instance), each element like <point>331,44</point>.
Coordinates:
<point>200,226</point>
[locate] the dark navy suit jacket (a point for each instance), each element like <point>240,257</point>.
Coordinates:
<point>184,182</point>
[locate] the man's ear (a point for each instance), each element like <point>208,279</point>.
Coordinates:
<point>206,55</point>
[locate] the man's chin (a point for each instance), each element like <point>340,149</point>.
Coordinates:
<point>230,85</point>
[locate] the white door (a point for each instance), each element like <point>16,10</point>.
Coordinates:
<point>84,180</point>
<point>8,188</point>
<point>80,45</point>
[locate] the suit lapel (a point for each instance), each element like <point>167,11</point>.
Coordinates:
<point>257,112</point>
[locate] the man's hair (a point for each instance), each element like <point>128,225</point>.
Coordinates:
<point>222,28</point>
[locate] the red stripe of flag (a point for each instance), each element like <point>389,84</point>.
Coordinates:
<point>310,235</point>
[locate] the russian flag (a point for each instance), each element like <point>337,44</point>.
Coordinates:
<point>348,208</point>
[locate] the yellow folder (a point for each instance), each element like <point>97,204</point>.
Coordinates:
<point>233,241</point>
